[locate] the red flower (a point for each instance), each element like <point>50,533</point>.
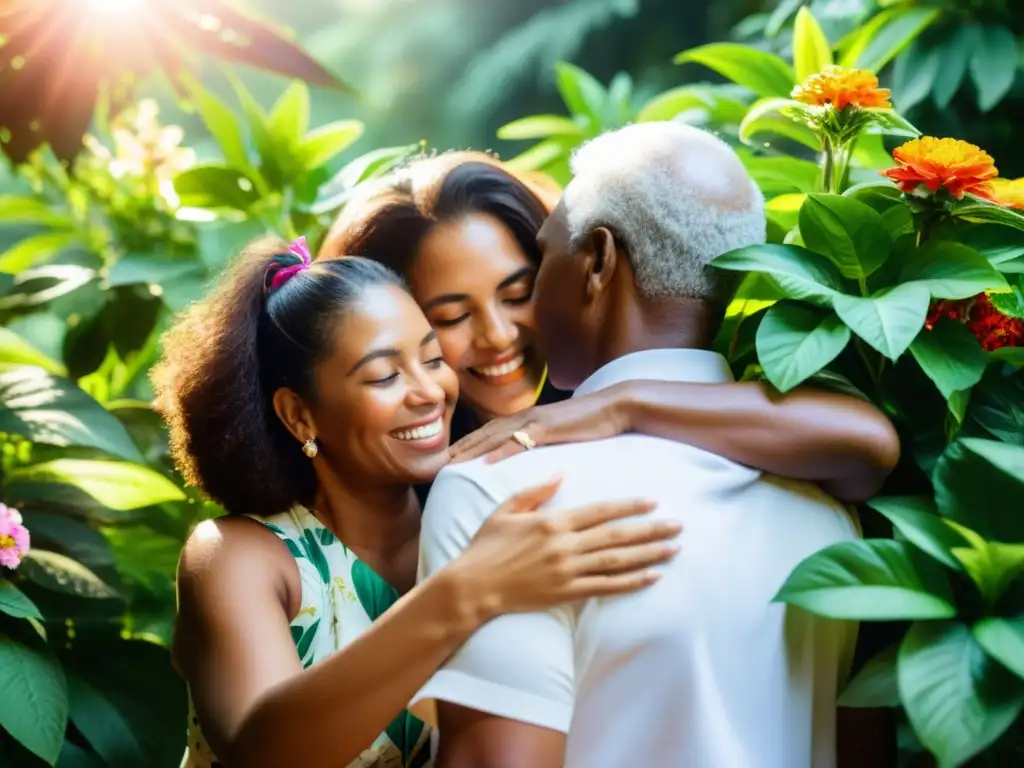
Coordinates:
<point>954,310</point>
<point>992,328</point>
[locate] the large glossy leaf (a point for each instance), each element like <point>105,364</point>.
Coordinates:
<point>582,94</point>
<point>36,249</point>
<point>888,33</point>
<point>954,53</point>
<point>31,210</point>
<point>871,579</point>
<point>997,407</point>
<point>997,244</point>
<point>811,49</point>
<point>335,192</point>
<point>776,117</point>
<point>951,271</point>
<point>119,485</point>
<point>763,73</point>
<point>799,273</point>
<point>850,233</point>
<point>795,341</point>
<point>667,105</point>
<point>875,684</point>
<point>103,725</point>
<point>16,352</point>
<point>16,603</point>
<point>1003,640</point>
<point>51,410</point>
<point>151,269</point>
<point>916,518</point>
<point>60,573</point>
<point>216,187</point>
<point>957,699</point>
<point>782,175</point>
<point>323,144</point>
<point>991,565</point>
<point>975,492</point>
<point>539,127</point>
<point>34,704</point>
<point>976,210</point>
<point>951,356</point>
<point>915,73</point>
<point>889,320</point>
<point>993,65</point>
<point>220,122</point>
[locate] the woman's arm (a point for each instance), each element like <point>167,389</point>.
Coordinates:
<point>840,442</point>
<point>238,589</point>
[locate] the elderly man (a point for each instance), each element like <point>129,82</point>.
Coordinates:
<point>701,669</point>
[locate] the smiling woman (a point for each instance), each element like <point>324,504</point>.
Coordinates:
<point>308,399</point>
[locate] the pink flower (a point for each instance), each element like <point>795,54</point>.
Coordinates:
<point>14,538</point>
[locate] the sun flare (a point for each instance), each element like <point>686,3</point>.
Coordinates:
<point>115,7</point>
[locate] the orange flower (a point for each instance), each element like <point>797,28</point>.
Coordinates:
<point>1005,192</point>
<point>956,165</point>
<point>842,87</point>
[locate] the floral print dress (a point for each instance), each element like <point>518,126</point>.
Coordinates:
<point>341,598</point>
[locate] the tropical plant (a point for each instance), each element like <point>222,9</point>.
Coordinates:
<point>60,60</point>
<point>907,289</point>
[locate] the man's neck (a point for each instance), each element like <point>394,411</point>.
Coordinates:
<point>656,325</point>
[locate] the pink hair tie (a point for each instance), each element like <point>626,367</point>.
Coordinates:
<point>285,266</point>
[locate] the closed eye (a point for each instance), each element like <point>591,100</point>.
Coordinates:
<point>435,362</point>
<point>450,323</point>
<point>383,382</point>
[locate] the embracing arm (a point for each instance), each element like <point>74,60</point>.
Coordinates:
<point>840,442</point>
<point>844,444</point>
<point>257,706</point>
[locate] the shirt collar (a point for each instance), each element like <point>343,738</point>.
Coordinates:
<point>694,365</point>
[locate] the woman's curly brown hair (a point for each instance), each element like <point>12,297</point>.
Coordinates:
<point>226,356</point>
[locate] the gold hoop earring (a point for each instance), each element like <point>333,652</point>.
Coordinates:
<point>310,448</point>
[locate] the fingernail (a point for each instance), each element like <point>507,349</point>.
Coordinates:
<point>673,549</point>
<point>676,527</point>
<point>652,576</point>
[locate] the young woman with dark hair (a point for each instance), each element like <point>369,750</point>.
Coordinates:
<point>307,399</point>
<point>462,230</point>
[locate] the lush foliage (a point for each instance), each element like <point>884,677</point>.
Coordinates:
<point>910,299</point>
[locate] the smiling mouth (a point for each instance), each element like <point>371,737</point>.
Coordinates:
<point>502,374</point>
<point>422,432</point>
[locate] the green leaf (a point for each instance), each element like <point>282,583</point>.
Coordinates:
<point>219,121</point>
<point>950,271</point>
<point>991,565</point>
<point>915,74</point>
<point>869,580</point>
<point>875,685</point>
<point>305,641</point>
<point>954,53</point>
<point>782,175</point>
<point>671,103</point>
<point>145,268</point>
<point>993,65</point>
<point>582,94</point>
<point>375,594</point>
<point>60,573</point>
<point>777,116</point>
<point>811,49</point>
<point>103,725</point>
<point>980,211</point>
<point>50,410</point>
<point>889,320</point>
<point>888,122</point>
<point>916,518</point>
<point>995,243</point>
<point>215,187</point>
<point>35,249</point>
<point>957,700</point>
<point>795,341</point>
<point>950,356</point>
<point>1003,640</point>
<point>880,195</point>
<point>325,143</point>
<point>972,490</point>
<point>763,73</point>
<point>289,118</point>
<point>31,210</point>
<point>404,732</point>
<point>119,485</point>
<point>997,406</point>
<point>16,603</point>
<point>849,233</point>
<point>34,705</point>
<point>537,156</point>
<point>890,33</point>
<point>336,192</point>
<point>316,555</point>
<point>326,537</point>
<point>799,273</point>
<point>539,127</point>
<point>1004,456</point>
<point>15,352</point>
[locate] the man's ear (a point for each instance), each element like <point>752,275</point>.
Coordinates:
<point>294,414</point>
<point>604,262</point>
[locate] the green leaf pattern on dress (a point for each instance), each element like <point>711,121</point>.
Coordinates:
<point>341,597</point>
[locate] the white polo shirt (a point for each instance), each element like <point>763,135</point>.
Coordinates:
<point>701,670</point>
